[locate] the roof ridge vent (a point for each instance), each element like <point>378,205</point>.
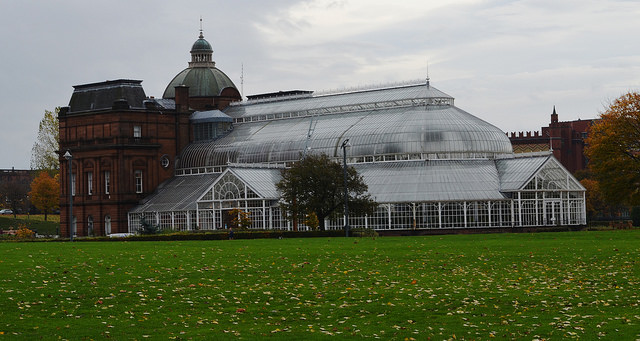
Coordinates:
<point>370,87</point>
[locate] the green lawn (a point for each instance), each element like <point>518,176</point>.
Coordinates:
<point>34,222</point>
<point>474,287</point>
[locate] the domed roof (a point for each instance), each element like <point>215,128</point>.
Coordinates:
<point>202,77</point>
<point>201,45</point>
<point>401,123</point>
<point>202,82</point>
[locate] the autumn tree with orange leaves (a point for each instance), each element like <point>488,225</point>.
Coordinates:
<point>595,204</point>
<point>45,193</point>
<point>614,150</point>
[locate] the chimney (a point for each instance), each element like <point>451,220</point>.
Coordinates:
<point>182,98</point>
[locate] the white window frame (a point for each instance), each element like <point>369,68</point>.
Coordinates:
<point>138,177</point>
<point>137,132</point>
<point>107,182</point>
<point>90,183</point>
<point>73,184</point>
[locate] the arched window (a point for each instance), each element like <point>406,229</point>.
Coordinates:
<point>229,188</point>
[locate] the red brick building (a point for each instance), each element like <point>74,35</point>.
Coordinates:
<point>124,144</point>
<point>565,139</point>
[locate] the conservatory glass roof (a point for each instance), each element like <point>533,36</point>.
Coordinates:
<point>535,173</point>
<point>436,180</point>
<point>306,105</point>
<point>417,122</point>
<point>177,194</point>
<point>209,116</point>
<point>261,180</point>
<point>516,172</point>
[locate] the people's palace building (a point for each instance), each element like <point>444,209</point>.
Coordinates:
<point>185,160</point>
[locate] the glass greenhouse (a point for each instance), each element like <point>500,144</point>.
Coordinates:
<point>429,164</point>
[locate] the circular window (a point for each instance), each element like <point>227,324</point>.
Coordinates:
<point>164,161</point>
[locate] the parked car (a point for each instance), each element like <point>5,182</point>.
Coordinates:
<point>6,211</point>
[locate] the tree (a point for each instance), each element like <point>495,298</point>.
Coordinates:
<point>44,154</point>
<point>595,204</point>
<point>15,196</point>
<point>315,185</point>
<point>312,221</point>
<point>240,219</point>
<point>613,149</point>
<point>147,227</point>
<point>45,193</point>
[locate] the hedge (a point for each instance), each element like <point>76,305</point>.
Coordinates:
<point>221,235</point>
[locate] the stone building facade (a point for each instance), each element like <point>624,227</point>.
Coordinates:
<point>124,144</point>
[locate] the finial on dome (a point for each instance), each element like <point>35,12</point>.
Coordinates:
<point>428,79</point>
<point>201,52</point>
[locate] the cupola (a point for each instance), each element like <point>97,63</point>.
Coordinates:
<point>208,85</point>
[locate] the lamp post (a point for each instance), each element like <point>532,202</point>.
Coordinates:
<point>345,144</point>
<point>69,157</point>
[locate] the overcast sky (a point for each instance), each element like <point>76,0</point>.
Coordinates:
<point>507,62</point>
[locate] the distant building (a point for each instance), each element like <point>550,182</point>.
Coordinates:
<point>15,185</point>
<point>565,139</point>
<point>185,161</point>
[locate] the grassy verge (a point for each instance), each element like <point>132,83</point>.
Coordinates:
<point>532,286</point>
<point>33,222</point>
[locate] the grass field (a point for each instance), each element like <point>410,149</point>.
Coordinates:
<point>34,222</point>
<point>467,287</point>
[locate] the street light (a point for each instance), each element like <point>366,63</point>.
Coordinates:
<point>69,157</point>
<point>345,144</point>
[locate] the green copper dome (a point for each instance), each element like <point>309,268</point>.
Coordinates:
<point>201,45</point>
<point>202,76</point>
<point>202,82</point>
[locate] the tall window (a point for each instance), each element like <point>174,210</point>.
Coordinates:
<point>137,132</point>
<point>107,182</point>
<point>73,184</point>
<point>107,225</point>
<point>90,225</point>
<point>138,181</point>
<point>90,183</point>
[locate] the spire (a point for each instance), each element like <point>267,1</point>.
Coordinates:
<point>201,52</point>
<point>554,116</point>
